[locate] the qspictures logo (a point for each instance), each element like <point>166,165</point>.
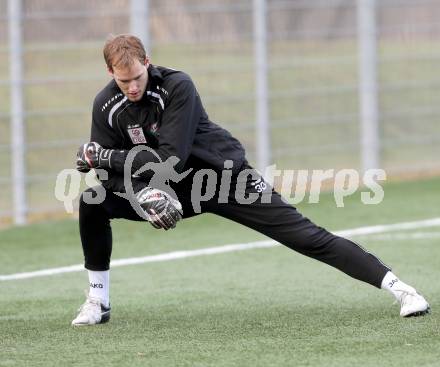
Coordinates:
<point>245,186</point>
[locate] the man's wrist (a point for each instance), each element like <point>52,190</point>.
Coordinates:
<point>113,159</point>
<point>105,156</point>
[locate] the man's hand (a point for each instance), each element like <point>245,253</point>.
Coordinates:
<point>92,155</point>
<point>161,209</point>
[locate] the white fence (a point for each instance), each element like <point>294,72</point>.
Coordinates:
<point>302,83</point>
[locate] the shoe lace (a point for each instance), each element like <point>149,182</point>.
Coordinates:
<point>89,305</point>
<point>403,295</point>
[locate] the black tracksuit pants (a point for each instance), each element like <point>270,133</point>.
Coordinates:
<point>277,220</point>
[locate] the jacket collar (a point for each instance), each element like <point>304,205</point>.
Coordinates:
<point>154,75</point>
<point>155,79</point>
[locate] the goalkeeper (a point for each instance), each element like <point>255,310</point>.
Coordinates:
<point>158,109</point>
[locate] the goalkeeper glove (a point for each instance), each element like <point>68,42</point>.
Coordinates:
<point>161,210</point>
<point>92,155</point>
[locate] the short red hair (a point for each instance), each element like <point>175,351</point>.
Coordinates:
<point>122,50</point>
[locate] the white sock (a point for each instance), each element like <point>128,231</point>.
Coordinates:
<point>99,284</point>
<point>395,286</point>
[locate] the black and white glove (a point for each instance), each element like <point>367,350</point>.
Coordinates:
<point>92,155</point>
<point>161,210</point>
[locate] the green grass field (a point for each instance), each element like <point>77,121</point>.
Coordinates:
<point>262,307</point>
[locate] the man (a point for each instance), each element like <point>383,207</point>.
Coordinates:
<point>158,111</point>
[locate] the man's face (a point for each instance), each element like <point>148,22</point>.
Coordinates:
<point>132,80</point>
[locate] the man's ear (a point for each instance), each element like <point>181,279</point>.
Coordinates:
<point>147,61</point>
<point>110,71</point>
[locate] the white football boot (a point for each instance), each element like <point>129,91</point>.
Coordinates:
<point>413,304</point>
<point>92,312</point>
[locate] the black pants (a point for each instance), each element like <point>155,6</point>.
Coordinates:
<point>277,220</point>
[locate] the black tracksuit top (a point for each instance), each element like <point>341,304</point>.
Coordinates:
<point>169,118</point>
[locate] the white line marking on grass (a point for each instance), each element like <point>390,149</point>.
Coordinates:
<point>403,236</point>
<point>434,222</point>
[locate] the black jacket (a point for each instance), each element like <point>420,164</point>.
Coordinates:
<point>169,118</point>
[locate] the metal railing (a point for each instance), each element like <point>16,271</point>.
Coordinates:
<point>299,82</point>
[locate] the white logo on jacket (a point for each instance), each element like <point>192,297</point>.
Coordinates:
<point>136,134</point>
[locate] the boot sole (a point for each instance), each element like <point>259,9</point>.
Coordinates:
<point>419,313</point>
